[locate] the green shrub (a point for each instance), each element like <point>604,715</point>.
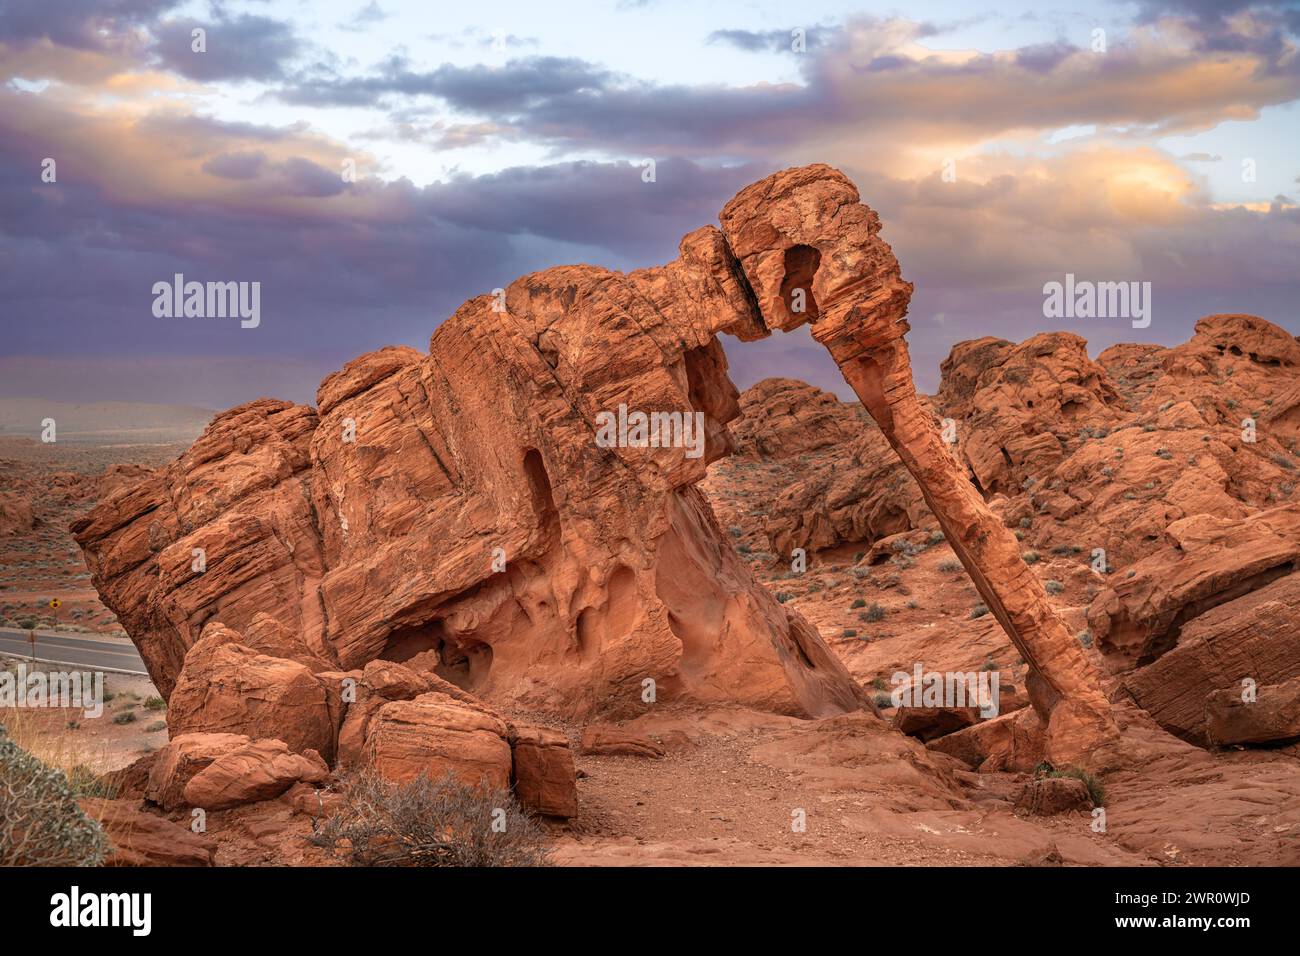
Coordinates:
<point>155,703</point>
<point>41,823</point>
<point>430,822</point>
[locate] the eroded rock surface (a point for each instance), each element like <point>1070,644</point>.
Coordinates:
<point>460,503</point>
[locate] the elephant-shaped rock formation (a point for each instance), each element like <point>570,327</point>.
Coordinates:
<point>462,504</point>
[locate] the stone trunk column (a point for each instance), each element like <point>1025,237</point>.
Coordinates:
<point>811,253</point>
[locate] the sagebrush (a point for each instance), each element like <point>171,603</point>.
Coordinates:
<point>41,823</point>
<point>429,822</point>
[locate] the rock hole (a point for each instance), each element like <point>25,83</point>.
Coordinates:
<point>801,264</point>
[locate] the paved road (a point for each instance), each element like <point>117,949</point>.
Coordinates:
<point>54,647</point>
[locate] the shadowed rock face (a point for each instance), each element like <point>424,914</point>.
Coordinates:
<point>459,502</point>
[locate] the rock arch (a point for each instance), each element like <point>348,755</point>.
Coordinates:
<point>351,543</point>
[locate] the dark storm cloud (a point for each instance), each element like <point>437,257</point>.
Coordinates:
<point>858,84</point>
<point>344,268</point>
<point>245,47</point>
<point>595,203</point>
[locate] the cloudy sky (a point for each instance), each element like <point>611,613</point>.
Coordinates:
<point>1004,146</point>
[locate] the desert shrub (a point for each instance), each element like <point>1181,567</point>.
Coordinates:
<point>1085,638</point>
<point>41,823</point>
<point>849,632</point>
<point>1053,587</point>
<point>125,717</point>
<point>883,699</point>
<point>156,726</point>
<point>949,566</point>
<point>979,610</point>
<point>1031,557</point>
<point>783,596</point>
<point>430,822</point>
<point>875,612</point>
<point>857,603</point>
<point>155,703</point>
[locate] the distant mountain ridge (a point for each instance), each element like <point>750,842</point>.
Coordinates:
<point>103,421</point>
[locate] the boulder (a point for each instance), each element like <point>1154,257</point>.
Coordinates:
<point>256,770</point>
<point>1010,742</point>
<point>434,735</point>
<point>544,774</point>
<point>229,688</point>
<point>1255,636</point>
<point>1271,716</point>
<point>185,756</point>
<point>1048,796</point>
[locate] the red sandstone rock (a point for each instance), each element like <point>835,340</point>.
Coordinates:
<point>140,838</point>
<point>231,688</point>
<point>256,770</point>
<point>1048,796</point>
<point>1255,636</point>
<point>185,756</point>
<point>929,723</point>
<point>607,741</point>
<point>376,526</point>
<point>804,229</point>
<point>1270,715</point>
<point>1213,561</point>
<point>1009,742</point>
<point>434,735</point>
<point>544,774</point>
